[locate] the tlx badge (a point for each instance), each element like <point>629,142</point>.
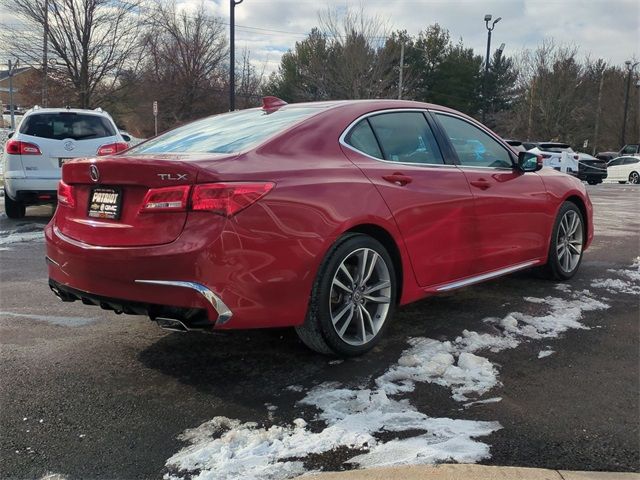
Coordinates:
<point>172,176</point>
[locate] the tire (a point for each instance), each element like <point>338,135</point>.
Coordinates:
<point>14,209</point>
<point>564,257</point>
<point>591,181</point>
<point>343,321</point>
<point>621,182</point>
<point>634,178</point>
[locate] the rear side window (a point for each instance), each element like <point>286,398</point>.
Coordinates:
<point>630,161</point>
<point>406,137</point>
<point>361,138</point>
<point>226,133</point>
<point>58,126</point>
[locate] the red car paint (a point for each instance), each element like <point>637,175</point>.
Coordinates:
<point>448,224</point>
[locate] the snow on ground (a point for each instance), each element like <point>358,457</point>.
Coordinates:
<point>628,281</point>
<point>225,448</point>
<point>7,238</point>
<point>545,353</point>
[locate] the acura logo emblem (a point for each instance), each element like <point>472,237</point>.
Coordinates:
<point>94,173</point>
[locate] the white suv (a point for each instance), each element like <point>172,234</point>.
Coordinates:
<point>46,138</point>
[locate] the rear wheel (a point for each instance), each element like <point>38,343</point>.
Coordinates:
<point>352,300</point>
<point>634,178</point>
<point>567,242</point>
<point>13,208</point>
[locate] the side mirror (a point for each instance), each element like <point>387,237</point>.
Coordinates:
<point>10,134</point>
<point>529,162</point>
<point>125,137</point>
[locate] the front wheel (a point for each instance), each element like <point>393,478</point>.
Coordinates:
<point>567,243</point>
<point>353,298</point>
<point>13,208</point>
<point>634,178</point>
<point>592,181</point>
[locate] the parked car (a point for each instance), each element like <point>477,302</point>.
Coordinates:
<point>629,149</point>
<point>562,157</point>
<point>591,169</point>
<point>321,216</point>
<point>625,169</point>
<point>47,138</point>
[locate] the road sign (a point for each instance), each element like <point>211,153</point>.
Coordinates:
<point>155,108</point>
<point>155,116</point>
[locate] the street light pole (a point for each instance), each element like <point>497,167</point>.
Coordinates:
<point>12,68</point>
<point>232,53</point>
<point>487,19</point>
<point>630,69</point>
<point>45,46</point>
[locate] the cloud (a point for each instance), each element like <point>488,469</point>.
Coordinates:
<point>600,28</point>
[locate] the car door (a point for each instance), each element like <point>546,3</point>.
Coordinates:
<point>429,199</point>
<point>512,219</point>
<point>616,169</point>
<point>631,164</point>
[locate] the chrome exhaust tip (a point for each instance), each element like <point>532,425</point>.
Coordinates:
<point>171,324</point>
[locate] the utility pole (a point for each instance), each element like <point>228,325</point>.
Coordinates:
<point>487,19</point>
<point>12,69</point>
<point>596,133</point>
<point>630,69</point>
<point>401,70</point>
<point>530,120</point>
<point>232,53</point>
<point>45,46</point>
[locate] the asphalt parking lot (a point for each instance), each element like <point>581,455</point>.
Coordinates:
<point>90,394</point>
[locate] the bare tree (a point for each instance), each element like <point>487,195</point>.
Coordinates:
<point>90,41</point>
<point>186,58</point>
<point>359,66</point>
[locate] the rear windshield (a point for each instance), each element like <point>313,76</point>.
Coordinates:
<point>59,126</point>
<point>227,133</point>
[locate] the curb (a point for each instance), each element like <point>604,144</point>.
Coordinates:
<point>467,472</point>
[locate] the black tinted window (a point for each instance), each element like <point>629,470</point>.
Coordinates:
<point>617,161</point>
<point>406,137</point>
<point>474,147</point>
<point>59,126</point>
<point>361,138</point>
<point>227,133</point>
<point>630,161</point>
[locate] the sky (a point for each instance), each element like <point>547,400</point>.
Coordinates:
<point>268,28</point>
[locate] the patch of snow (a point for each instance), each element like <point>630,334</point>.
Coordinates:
<point>224,448</point>
<point>295,388</point>
<point>629,281</point>
<point>61,321</point>
<point>17,237</point>
<point>545,353</point>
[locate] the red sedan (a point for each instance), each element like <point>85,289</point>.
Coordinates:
<point>322,216</point>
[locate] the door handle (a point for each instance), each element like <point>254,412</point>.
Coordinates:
<point>481,184</point>
<point>398,178</point>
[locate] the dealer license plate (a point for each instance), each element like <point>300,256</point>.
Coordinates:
<point>105,202</point>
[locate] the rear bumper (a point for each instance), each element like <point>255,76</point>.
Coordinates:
<point>237,278</point>
<point>29,190</point>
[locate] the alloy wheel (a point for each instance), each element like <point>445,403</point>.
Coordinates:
<point>569,241</point>
<point>360,296</point>
<point>634,178</point>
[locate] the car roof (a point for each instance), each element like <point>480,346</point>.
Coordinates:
<point>37,110</point>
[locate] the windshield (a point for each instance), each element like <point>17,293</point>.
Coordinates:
<point>61,125</point>
<point>227,133</point>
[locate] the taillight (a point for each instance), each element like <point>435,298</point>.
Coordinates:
<point>227,199</point>
<point>16,147</point>
<point>167,199</point>
<point>112,148</point>
<point>66,195</point>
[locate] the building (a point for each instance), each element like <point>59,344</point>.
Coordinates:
<point>23,78</point>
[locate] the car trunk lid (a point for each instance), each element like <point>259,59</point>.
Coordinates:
<point>120,185</point>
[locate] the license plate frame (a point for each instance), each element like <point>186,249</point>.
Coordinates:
<point>105,206</point>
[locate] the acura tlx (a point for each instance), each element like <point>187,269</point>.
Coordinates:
<point>321,216</point>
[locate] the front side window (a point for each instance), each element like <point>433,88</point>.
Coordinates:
<point>474,147</point>
<point>406,137</point>
<point>58,126</point>
<point>629,149</point>
<point>226,133</point>
<point>616,162</point>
